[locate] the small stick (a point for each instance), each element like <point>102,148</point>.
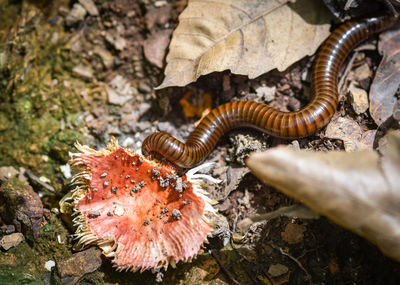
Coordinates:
<point>37,179</point>
<point>224,269</point>
<point>295,260</point>
<point>308,276</point>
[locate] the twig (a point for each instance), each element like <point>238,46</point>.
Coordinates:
<point>37,180</point>
<point>295,260</point>
<point>235,222</point>
<point>249,274</point>
<point>348,5</point>
<point>308,276</point>
<point>224,269</point>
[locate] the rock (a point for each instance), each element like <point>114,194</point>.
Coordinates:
<point>116,41</point>
<point>66,170</point>
<point>49,265</point>
<point>155,47</point>
<point>143,108</point>
<point>295,145</point>
<point>6,172</point>
<point>359,99</point>
<point>119,91</point>
<point>115,98</point>
<point>11,240</point>
<point>81,263</point>
<point>293,233</point>
<point>145,86</point>
<point>363,72</point>
<point>82,71</point>
<point>128,142</point>
<point>141,126</point>
<point>90,7</point>
<point>276,270</point>
<point>76,15</point>
<point>293,104</point>
<point>166,127</point>
<point>7,229</point>
<point>21,206</point>
<point>106,56</point>
<point>159,16</point>
<point>267,92</point>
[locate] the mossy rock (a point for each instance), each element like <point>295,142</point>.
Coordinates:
<point>61,144</point>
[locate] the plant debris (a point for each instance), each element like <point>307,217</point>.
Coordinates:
<point>94,77</point>
<point>387,77</point>
<point>199,45</point>
<point>358,190</point>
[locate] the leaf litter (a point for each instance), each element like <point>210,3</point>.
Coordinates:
<point>360,191</point>
<point>387,77</point>
<point>111,46</point>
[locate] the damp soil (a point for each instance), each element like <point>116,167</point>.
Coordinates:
<point>55,80</point>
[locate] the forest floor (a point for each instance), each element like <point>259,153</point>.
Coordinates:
<point>65,78</point>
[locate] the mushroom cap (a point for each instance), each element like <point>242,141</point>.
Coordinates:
<point>137,211</point>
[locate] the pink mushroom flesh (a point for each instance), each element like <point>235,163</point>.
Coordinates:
<point>139,204</point>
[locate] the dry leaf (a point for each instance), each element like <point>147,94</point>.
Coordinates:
<point>350,133</point>
<point>195,104</point>
<point>387,78</point>
<point>293,233</point>
<point>247,37</point>
<point>358,190</point>
<point>155,47</point>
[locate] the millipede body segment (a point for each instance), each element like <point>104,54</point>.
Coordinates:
<point>308,120</point>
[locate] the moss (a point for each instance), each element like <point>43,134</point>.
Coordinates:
<point>54,240</point>
<point>8,10</point>
<point>5,123</point>
<point>9,186</point>
<point>24,264</point>
<point>93,278</point>
<point>37,93</point>
<point>61,143</point>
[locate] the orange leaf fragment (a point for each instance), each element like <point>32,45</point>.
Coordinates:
<point>196,106</point>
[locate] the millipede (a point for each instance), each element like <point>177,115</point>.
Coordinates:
<point>308,120</point>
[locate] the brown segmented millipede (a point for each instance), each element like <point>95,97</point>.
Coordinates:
<point>304,122</point>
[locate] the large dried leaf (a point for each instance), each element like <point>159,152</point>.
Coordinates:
<point>387,78</point>
<point>248,37</point>
<point>358,190</point>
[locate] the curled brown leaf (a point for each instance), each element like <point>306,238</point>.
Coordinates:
<point>360,191</point>
<point>387,78</point>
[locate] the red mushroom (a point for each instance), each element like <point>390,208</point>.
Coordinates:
<point>137,211</point>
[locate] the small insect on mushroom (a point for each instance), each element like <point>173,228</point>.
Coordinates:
<point>134,225</point>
